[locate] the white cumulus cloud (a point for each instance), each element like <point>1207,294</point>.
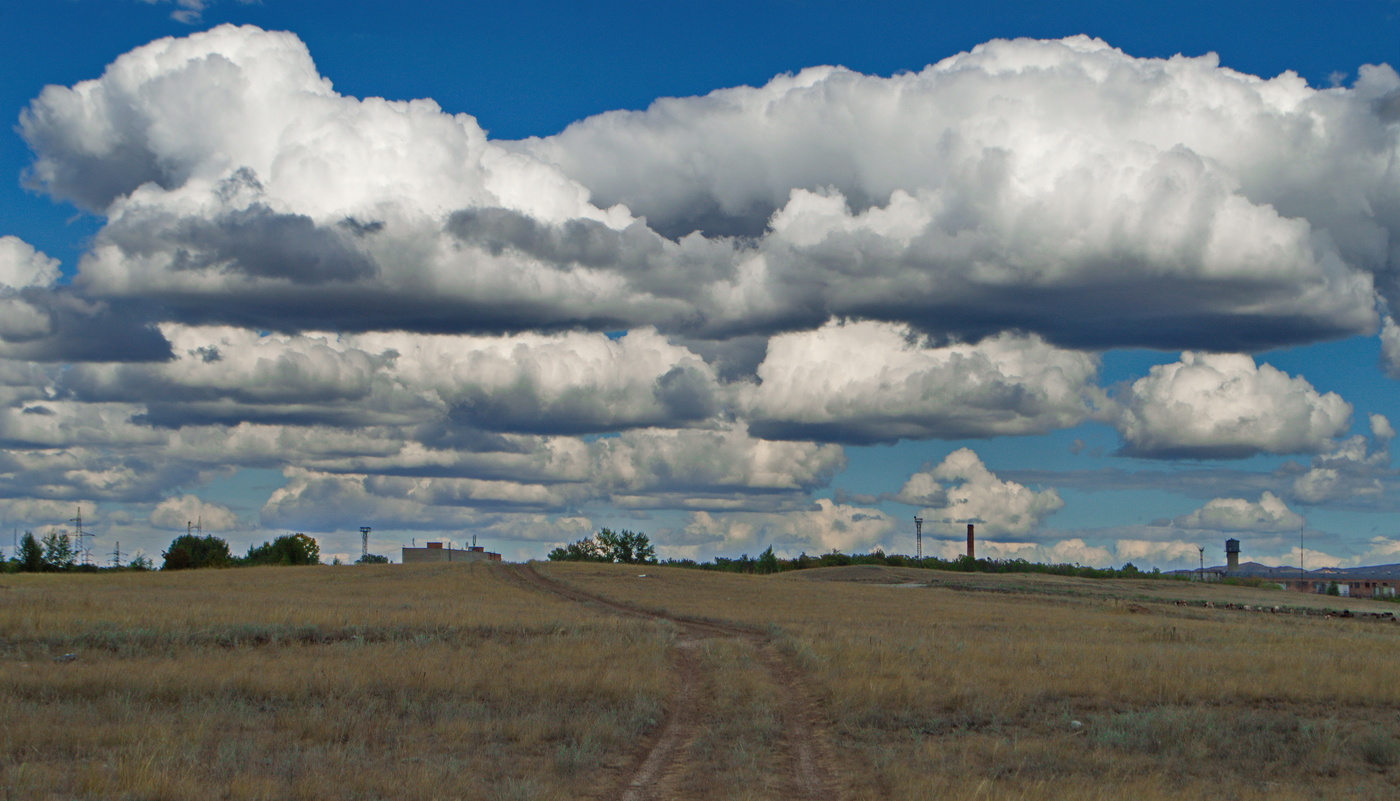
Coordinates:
<point>536,383</point>
<point>1061,186</point>
<point>21,265</point>
<point>1222,406</point>
<point>1390,347</point>
<point>1269,513</point>
<point>1351,470</point>
<point>826,525</point>
<point>1156,552</point>
<point>877,382</point>
<point>961,490</point>
<point>178,513</point>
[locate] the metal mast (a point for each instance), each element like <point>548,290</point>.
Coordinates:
<point>84,548</point>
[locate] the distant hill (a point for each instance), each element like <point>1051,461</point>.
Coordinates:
<point>1364,572</point>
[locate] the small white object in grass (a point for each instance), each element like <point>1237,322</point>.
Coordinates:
<point>65,658</point>
<point>642,575</point>
<point>1076,725</point>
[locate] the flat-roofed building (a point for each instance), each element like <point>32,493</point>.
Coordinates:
<point>435,552</point>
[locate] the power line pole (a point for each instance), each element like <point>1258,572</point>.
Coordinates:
<point>84,547</point>
<point>1301,570</point>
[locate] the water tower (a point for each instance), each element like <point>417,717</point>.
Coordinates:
<point>1232,555</point>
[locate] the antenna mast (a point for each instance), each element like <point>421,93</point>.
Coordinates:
<point>919,536</point>
<point>364,541</point>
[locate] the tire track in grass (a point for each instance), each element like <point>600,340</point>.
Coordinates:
<point>805,751</point>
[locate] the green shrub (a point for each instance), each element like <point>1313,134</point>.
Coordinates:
<point>288,549</point>
<point>1378,748</point>
<point>188,552</point>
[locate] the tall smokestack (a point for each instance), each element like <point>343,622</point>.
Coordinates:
<point>971,548</point>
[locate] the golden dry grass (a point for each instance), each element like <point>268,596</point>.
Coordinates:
<point>734,750</point>
<point>376,682</point>
<point>427,682</point>
<point>974,693</point>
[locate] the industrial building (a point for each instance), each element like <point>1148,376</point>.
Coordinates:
<point>435,552</point>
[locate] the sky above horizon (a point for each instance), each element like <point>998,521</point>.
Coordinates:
<point>1111,283</point>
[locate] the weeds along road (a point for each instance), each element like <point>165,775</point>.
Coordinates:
<point>805,751</point>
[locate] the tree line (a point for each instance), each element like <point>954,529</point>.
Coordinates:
<point>56,552</point>
<point>631,547</point>
<point>768,562</point>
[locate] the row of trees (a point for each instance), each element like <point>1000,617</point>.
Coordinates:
<point>631,547</point>
<point>626,547</point>
<point>768,562</point>
<point>55,552</point>
<point>188,552</point>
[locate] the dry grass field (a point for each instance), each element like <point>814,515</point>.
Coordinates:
<point>428,682</point>
<point>1036,687</point>
<point>374,682</point>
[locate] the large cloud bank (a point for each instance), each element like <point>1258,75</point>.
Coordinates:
<point>1058,187</point>
<point>690,307</point>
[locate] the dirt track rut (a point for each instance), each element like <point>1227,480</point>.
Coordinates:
<point>805,752</point>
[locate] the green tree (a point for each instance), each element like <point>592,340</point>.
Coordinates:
<point>30,555</point>
<point>767,562</point>
<point>59,553</point>
<point>188,551</point>
<point>627,547</point>
<point>288,549</point>
<point>585,550</point>
<point>140,562</point>
<point>372,559</point>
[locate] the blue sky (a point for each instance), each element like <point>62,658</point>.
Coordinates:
<point>1105,304</point>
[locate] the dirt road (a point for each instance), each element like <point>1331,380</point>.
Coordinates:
<point>805,753</point>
